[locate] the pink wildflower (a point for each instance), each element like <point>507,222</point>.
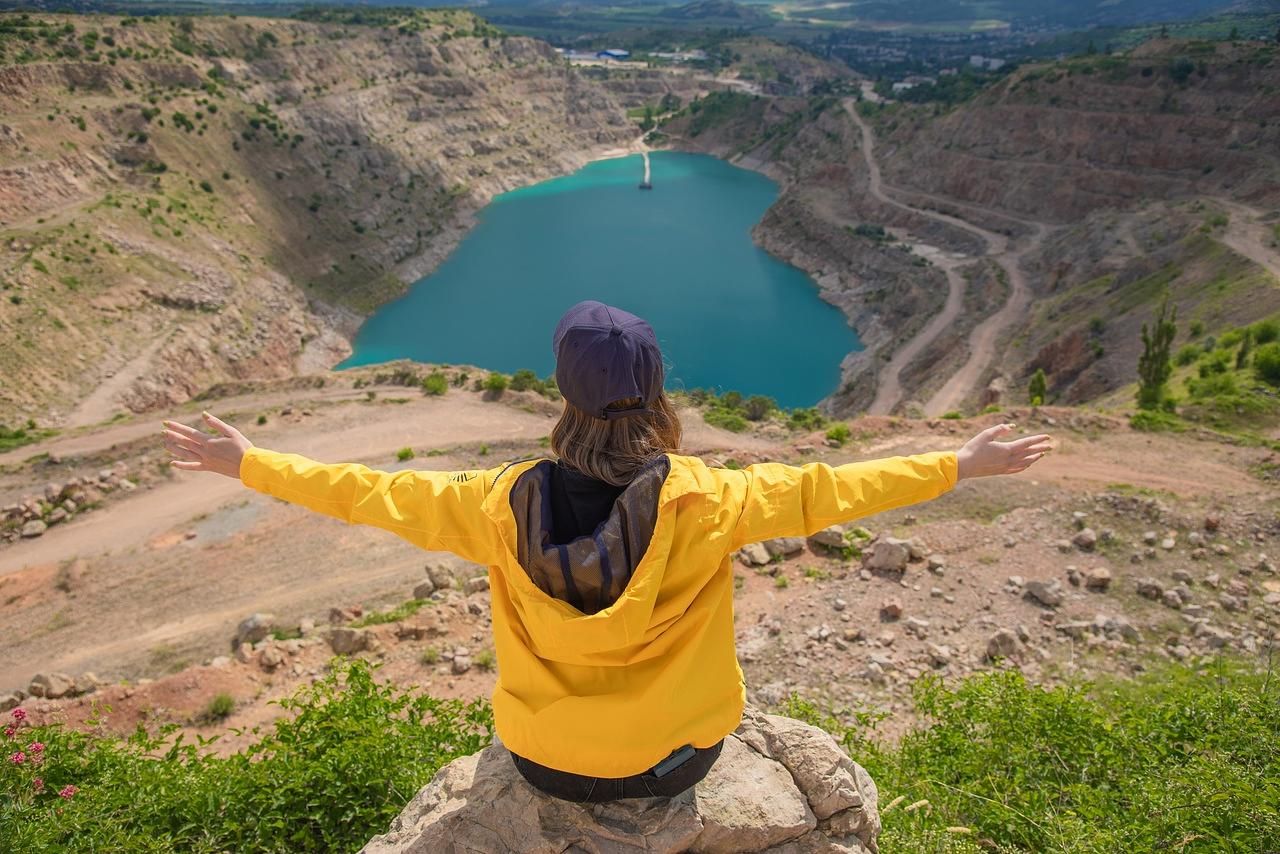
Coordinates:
<point>18,758</point>
<point>68,792</point>
<point>38,784</point>
<point>9,731</point>
<point>19,714</point>
<point>35,746</point>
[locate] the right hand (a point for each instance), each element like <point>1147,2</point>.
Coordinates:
<point>195,450</point>
<point>983,456</point>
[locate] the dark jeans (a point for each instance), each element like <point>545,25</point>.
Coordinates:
<point>597,790</point>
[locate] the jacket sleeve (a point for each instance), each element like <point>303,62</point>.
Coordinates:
<point>437,511</point>
<point>794,501</point>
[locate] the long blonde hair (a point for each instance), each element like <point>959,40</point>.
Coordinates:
<point>613,451</point>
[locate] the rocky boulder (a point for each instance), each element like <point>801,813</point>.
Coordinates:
<point>779,786</point>
<point>886,556</point>
<point>253,628</point>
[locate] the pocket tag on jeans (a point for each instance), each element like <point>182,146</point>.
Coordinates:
<point>675,760</point>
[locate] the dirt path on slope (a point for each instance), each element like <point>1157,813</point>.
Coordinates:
<point>984,337</point>
<point>1247,234</point>
<point>104,401</point>
<point>433,423</point>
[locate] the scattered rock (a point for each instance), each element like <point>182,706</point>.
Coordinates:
<point>1097,578</point>
<point>939,654</point>
<point>784,546</point>
<point>271,657</point>
<point>891,609</point>
<point>347,641</point>
<point>253,628</point>
<point>1212,522</point>
<point>51,686</point>
<point>475,585</point>
<point>1086,540</point>
<point>779,785</point>
<point>424,590</point>
<point>34,528</point>
<point>1171,599</point>
<point>244,653</point>
<point>753,554</point>
<point>1047,593</point>
<point>1149,588</point>
<point>1003,644</point>
<point>828,538</point>
<point>1168,543</point>
<point>441,575</point>
<point>1073,576</point>
<point>887,556</point>
<point>9,701</point>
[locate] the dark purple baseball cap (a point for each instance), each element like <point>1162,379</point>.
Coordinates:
<point>603,355</point>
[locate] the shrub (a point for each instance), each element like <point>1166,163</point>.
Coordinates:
<point>435,383</point>
<point>220,707</point>
<point>429,656</point>
<point>726,420</point>
<point>524,380</point>
<point>757,407</point>
<point>1265,331</point>
<point>394,615</point>
<point>206,186</point>
<point>1155,421</point>
<point>1266,362</point>
<point>405,454</point>
<point>485,660</point>
<point>1186,355</point>
<point>1153,365</point>
<point>1038,388</point>
<point>953,415</point>
<point>333,771</point>
<point>839,433</point>
<point>495,383</point>
<point>806,419</point>
<point>262,419</point>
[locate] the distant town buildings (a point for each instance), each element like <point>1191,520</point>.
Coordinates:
<point>990,63</point>
<point>615,54</point>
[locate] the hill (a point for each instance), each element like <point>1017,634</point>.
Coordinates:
<point>190,200</point>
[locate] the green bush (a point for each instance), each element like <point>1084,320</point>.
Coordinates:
<point>1265,331</point>
<point>1186,355</point>
<point>1266,361</point>
<point>220,707</point>
<point>839,433</point>
<point>726,419</point>
<point>495,383</point>
<point>400,612</point>
<point>1177,758</point>
<point>334,771</point>
<point>758,407</point>
<point>806,419</point>
<point>405,454</point>
<point>525,380</point>
<point>435,383</point>
<point>1155,421</point>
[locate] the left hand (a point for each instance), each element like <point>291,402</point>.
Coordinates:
<point>982,455</point>
<point>195,450</point>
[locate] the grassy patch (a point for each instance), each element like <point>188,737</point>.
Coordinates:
<point>395,615</point>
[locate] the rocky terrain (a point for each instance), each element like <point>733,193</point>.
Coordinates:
<point>1100,560</point>
<point>186,201</point>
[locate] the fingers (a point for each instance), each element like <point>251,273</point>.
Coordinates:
<point>221,426</point>
<point>187,465</point>
<point>1027,442</point>
<point>183,429</point>
<point>993,433</point>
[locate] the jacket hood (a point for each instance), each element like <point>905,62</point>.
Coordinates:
<point>599,600</point>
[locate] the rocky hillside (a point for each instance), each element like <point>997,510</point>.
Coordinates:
<point>189,200</point>
<point>1053,142</point>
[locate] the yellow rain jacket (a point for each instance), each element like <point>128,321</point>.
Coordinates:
<point>610,694</point>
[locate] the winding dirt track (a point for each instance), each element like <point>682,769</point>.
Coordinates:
<point>983,338</point>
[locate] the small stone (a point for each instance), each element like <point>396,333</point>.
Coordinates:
<point>936,563</point>
<point>1230,602</point>
<point>939,654</point>
<point>1168,543</point>
<point>1182,576</point>
<point>839,604</point>
<point>1213,579</point>
<point>34,528</point>
<point>1003,644</point>
<point>244,653</point>
<point>1149,588</point>
<point>1212,522</point>
<point>753,554</point>
<point>1098,578</point>
<point>271,657</point>
<point>1078,518</point>
<point>1047,593</point>
<point>829,538</point>
<point>460,664</point>
<point>1073,576</point>
<point>1086,540</point>
<point>917,627</point>
<point>346,641</point>
<point>1150,537</point>
<point>307,626</point>
<point>784,546</point>
<point>891,609</point>
<point>1171,599</point>
<point>475,585</point>
<point>424,590</point>
<point>58,515</point>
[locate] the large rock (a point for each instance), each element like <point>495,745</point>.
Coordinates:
<point>1047,593</point>
<point>348,641</point>
<point>754,554</point>
<point>784,546</point>
<point>779,786</point>
<point>51,685</point>
<point>886,556</point>
<point>253,628</point>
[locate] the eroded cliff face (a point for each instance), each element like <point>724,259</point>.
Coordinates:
<point>194,200</point>
<point>1053,143</point>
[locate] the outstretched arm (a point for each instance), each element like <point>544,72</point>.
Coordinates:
<point>437,511</point>
<point>786,501</point>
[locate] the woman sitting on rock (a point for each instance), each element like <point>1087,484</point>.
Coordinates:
<point>610,568</point>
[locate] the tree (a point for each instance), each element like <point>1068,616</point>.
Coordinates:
<point>1154,367</point>
<point>1235,34</point>
<point>1038,389</point>
<point>1246,345</point>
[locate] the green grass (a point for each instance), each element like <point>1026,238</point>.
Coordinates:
<point>328,775</point>
<point>1177,759</point>
<point>16,437</point>
<point>395,615</point>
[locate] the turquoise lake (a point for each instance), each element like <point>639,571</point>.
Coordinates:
<point>728,315</point>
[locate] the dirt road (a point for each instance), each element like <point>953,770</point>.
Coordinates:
<point>983,339</point>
